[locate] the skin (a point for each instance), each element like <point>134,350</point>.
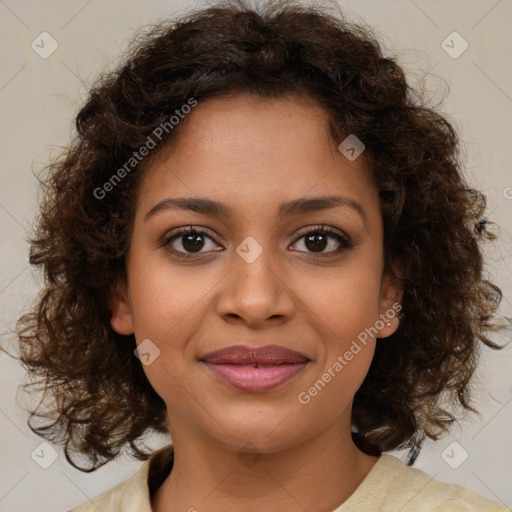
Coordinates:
<point>252,154</point>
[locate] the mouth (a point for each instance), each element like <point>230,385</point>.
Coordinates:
<point>255,369</point>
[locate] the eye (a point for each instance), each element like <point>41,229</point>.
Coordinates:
<point>317,239</point>
<point>190,240</point>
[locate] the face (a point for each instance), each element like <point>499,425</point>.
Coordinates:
<point>268,267</point>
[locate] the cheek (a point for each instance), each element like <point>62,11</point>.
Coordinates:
<point>344,310</point>
<point>345,303</point>
<point>167,307</point>
<point>166,300</point>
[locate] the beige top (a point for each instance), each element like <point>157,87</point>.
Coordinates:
<point>390,486</point>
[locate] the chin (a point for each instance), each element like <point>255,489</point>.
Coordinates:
<point>259,430</point>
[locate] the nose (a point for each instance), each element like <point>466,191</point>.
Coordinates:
<point>257,293</point>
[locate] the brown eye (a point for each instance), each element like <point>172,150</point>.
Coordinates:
<point>317,240</point>
<point>192,242</point>
<point>188,242</point>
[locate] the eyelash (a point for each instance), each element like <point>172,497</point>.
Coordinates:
<point>343,240</point>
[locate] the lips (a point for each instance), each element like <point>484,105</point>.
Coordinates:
<point>255,369</point>
<point>242,355</point>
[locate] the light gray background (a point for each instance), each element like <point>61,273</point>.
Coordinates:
<point>39,97</point>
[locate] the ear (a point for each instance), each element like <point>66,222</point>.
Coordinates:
<point>390,306</point>
<point>121,313</point>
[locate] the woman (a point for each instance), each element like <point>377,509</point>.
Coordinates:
<point>260,241</point>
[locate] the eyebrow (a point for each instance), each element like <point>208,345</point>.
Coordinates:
<point>294,207</point>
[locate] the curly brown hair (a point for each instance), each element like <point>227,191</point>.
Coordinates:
<point>101,398</point>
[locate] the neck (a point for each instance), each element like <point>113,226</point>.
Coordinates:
<point>320,474</point>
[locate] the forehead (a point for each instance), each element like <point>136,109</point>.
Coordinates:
<point>253,152</point>
<point>250,127</point>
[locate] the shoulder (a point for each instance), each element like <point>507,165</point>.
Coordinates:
<point>392,485</point>
<point>417,491</point>
<point>133,494</point>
